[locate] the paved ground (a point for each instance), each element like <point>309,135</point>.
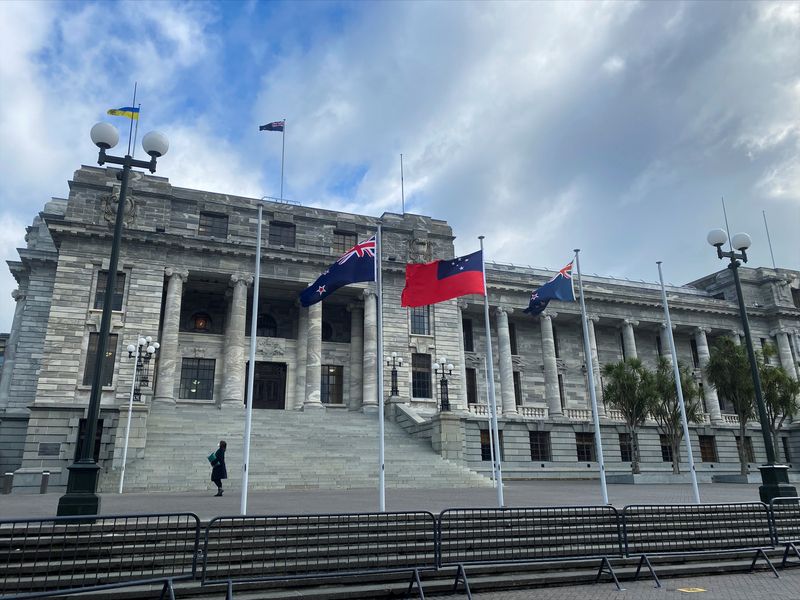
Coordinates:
<point>528,493</point>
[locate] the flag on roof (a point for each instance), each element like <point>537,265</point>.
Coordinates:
<point>274,126</point>
<point>442,280</point>
<point>355,265</point>
<point>126,111</point>
<point>558,288</point>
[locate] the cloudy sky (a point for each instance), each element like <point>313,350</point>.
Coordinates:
<point>615,127</point>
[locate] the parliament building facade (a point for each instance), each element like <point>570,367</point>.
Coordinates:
<point>186,280</point>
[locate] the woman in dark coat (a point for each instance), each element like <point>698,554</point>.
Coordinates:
<point>219,472</point>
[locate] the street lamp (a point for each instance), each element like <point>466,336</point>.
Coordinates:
<point>394,362</point>
<point>144,350</point>
<point>446,369</point>
<point>774,477</point>
<point>81,497</point>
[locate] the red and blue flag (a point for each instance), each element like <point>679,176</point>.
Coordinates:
<point>274,126</point>
<point>442,280</point>
<point>355,265</point>
<point>558,288</point>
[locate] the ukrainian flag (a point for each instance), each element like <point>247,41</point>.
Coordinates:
<point>125,111</point>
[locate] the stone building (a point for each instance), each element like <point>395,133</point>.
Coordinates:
<point>186,279</point>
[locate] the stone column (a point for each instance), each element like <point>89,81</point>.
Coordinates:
<point>11,348</point>
<point>666,352</point>
<point>736,337</point>
<point>369,392</point>
<point>504,358</point>
<point>598,385</point>
<point>712,401</point>
<point>356,355</point>
<point>313,399</point>
<point>301,352</point>
<point>629,338</point>
<point>233,375</point>
<point>785,352</point>
<point>551,393</point>
<point>462,366</point>
<point>168,352</point>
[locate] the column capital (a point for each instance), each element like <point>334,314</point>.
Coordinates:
<point>631,322</point>
<point>369,293</point>
<point>183,274</point>
<point>738,332</point>
<point>702,330</point>
<point>548,314</point>
<point>18,295</point>
<point>777,330</point>
<point>506,310</point>
<point>462,305</point>
<point>240,279</point>
<point>663,325</point>
<point>593,318</point>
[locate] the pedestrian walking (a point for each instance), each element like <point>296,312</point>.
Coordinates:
<point>219,471</point>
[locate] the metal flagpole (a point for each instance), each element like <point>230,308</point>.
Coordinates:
<point>496,463</point>
<point>251,368</point>
<point>587,351</point>
<point>402,188</point>
<point>491,432</point>
<point>136,129</point>
<point>130,413</point>
<point>283,148</point>
<point>130,130</point>
<point>769,240</point>
<point>678,388</point>
<point>379,299</point>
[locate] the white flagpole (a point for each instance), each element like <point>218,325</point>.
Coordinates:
<point>589,372</point>
<point>130,413</point>
<point>251,368</point>
<point>491,431</point>
<point>678,388</point>
<point>497,460</point>
<point>283,148</point>
<point>379,299</point>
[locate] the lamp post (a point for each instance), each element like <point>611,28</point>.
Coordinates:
<point>144,350</point>
<point>774,477</point>
<point>394,362</point>
<point>81,497</point>
<point>446,369</point>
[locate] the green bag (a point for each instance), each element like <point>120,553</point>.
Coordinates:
<point>212,457</point>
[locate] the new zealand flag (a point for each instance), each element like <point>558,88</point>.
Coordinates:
<point>558,288</point>
<point>357,264</point>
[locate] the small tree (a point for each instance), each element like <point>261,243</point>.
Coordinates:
<point>781,395</point>
<point>629,388</point>
<point>666,408</point>
<point>728,370</point>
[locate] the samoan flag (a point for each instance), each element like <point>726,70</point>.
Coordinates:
<point>558,288</point>
<point>355,265</point>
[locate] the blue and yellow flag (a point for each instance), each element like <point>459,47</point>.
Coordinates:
<point>125,111</point>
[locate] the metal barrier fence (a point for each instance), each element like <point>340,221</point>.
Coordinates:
<point>470,536</point>
<point>249,549</point>
<point>786,525</point>
<point>45,557</point>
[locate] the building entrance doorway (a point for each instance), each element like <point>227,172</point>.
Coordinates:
<point>269,386</point>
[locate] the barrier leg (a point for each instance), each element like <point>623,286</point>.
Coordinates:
<point>646,561</point>
<point>415,578</point>
<point>167,588</point>
<point>461,574</point>
<point>605,563</point>
<point>790,547</point>
<point>762,554</point>
<point>229,593</point>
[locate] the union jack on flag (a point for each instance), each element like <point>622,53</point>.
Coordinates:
<point>366,248</point>
<point>558,288</point>
<point>354,266</point>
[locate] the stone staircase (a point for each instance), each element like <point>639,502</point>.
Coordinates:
<point>289,450</point>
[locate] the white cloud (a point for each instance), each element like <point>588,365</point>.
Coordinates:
<point>12,232</point>
<point>613,64</point>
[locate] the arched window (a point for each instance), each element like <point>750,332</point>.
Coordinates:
<point>266,326</point>
<point>327,331</point>
<point>200,322</point>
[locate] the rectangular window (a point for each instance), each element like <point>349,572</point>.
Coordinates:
<point>540,445</point>
<point>584,444</point>
<point>98,436</point>
<point>420,320</point>
<point>658,345</point>
<point>749,454</point>
<point>512,336</point>
<point>486,446</point>
<point>517,388</point>
<point>342,242</point>
<point>555,341</point>
<point>107,377</point>
<point>561,393</point>
<point>100,291</point>
<point>787,455</point>
<point>197,378</point>
<point>708,448</point>
<point>281,234</point>
<point>466,328</point>
<point>472,386</point>
<point>213,225</point>
<point>331,384</point>
<point>625,447</point>
<point>666,448</point>
<point>695,355</point>
<point>421,376</point>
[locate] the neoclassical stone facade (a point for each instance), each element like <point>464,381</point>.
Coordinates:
<point>187,280</point>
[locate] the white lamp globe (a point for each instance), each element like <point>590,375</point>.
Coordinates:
<point>142,341</point>
<point>741,241</point>
<point>151,350</point>
<point>449,366</point>
<point>717,237</point>
<point>155,144</point>
<point>156,345</point>
<point>148,339</point>
<point>131,348</point>
<point>104,135</point>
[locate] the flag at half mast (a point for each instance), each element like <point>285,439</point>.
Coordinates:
<point>558,288</point>
<point>354,266</point>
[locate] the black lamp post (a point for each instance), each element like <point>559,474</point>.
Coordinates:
<point>394,362</point>
<point>81,497</point>
<point>446,369</point>
<point>774,477</point>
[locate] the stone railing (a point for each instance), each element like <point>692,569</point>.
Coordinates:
<point>482,410</point>
<point>533,412</point>
<point>615,415</point>
<point>578,414</point>
<point>730,419</point>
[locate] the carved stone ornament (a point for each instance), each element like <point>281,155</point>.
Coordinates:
<point>419,251</point>
<point>197,352</point>
<point>473,361</point>
<point>110,202</point>
<point>270,348</point>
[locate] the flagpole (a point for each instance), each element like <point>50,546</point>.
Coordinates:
<point>283,149</point>
<point>402,188</point>
<point>491,432</point>
<point>678,387</point>
<point>136,130</point>
<point>496,462</point>
<point>133,105</point>
<point>379,299</point>
<point>251,369</point>
<point>769,239</point>
<point>130,413</point>
<point>590,375</point>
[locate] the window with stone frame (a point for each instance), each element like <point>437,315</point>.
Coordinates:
<point>695,354</point>
<point>100,290</point>
<point>213,225</point>
<point>332,384</point>
<point>200,323</point>
<point>658,345</point>
<point>472,385</point>
<point>555,341</point>
<point>466,328</point>
<point>486,446</point>
<point>517,388</point>
<point>796,297</point>
<point>666,448</point>
<point>420,320</point>
<point>107,376</point>
<point>281,234</point>
<point>625,447</point>
<point>98,437</point>
<point>421,376</point>
<point>708,448</point>
<point>266,326</point>
<point>540,445</point>
<point>197,379</point>
<point>512,337</point>
<point>749,453</point>
<point>584,446</point>
<point>343,241</point>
